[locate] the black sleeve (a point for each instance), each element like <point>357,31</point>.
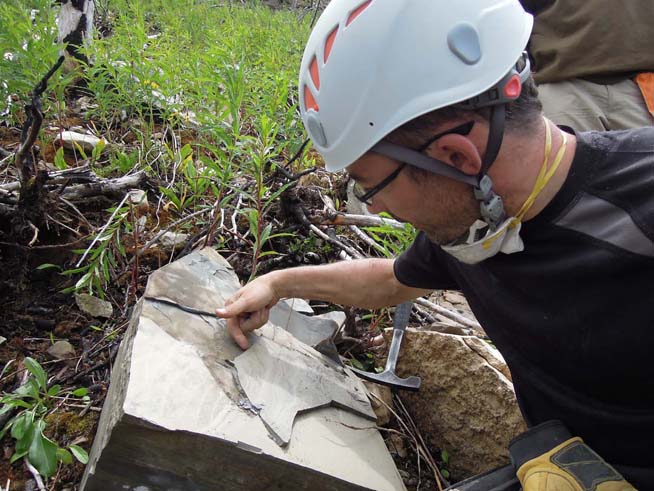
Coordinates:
<point>422,266</point>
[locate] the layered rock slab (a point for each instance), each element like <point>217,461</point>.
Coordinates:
<point>177,417</point>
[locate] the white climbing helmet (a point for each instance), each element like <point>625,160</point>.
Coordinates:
<point>372,65</point>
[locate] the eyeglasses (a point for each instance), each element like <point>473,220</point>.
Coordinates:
<point>365,196</point>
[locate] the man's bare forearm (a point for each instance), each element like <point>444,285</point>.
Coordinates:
<point>364,283</point>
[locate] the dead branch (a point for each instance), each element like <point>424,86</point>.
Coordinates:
<point>336,242</point>
<point>24,158</point>
<point>366,238</point>
<point>315,12</point>
<point>35,474</point>
<point>449,314</point>
<point>32,204</point>
<point>93,187</point>
<point>105,187</point>
<point>91,184</point>
<point>48,247</point>
<point>331,217</point>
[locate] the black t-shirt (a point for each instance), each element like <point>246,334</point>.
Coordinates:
<point>573,314</point>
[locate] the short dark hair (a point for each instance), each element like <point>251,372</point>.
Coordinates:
<point>522,115</point>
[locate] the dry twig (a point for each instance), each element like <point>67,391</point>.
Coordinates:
<point>333,217</point>
<point>355,254</point>
<point>35,474</point>
<point>449,314</point>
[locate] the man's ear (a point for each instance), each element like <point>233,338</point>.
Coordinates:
<point>458,151</point>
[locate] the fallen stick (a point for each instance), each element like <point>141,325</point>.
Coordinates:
<point>366,238</point>
<point>105,187</point>
<point>359,220</point>
<point>35,474</point>
<point>449,314</point>
<point>355,254</point>
<point>57,177</point>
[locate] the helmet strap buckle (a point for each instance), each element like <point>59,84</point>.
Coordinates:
<point>491,205</point>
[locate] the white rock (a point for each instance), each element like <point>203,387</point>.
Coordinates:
<point>71,139</point>
<point>94,306</point>
<point>138,198</point>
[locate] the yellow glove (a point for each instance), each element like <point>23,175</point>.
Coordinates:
<point>547,459</point>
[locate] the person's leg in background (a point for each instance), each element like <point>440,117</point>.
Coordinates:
<point>626,106</point>
<point>585,105</point>
<point>576,103</point>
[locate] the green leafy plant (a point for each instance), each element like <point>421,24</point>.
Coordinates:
<point>366,362</point>
<point>33,401</point>
<point>59,161</point>
<point>26,48</point>
<point>390,239</point>
<point>261,152</point>
<point>445,459</point>
<point>100,259</point>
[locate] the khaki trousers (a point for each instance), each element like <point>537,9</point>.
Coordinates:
<point>588,106</point>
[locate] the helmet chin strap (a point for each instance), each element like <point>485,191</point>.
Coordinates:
<point>490,203</point>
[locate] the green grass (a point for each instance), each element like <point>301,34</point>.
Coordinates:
<point>226,72</point>
<point>228,66</point>
<point>27,50</point>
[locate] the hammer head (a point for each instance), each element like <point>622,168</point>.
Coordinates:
<point>388,377</point>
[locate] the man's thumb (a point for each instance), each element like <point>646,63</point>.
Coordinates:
<point>229,311</point>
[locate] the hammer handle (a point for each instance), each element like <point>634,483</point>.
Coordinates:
<point>400,321</point>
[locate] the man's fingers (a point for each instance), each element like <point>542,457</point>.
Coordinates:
<point>245,311</point>
<point>239,326</point>
<point>234,329</point>
<point>233,308</point>
<point>255,320</point>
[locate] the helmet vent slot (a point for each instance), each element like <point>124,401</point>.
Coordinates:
<point>330,43</point>
<point>309,100</point>
<point>315,75</point>
<point>356,12</point>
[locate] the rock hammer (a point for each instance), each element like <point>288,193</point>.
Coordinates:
<point>388,376</point>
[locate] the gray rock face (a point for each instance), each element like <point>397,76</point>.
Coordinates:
<point>188,410</point>
<point>466,403</point>
<point>93,306</point>
<point>61,350</point>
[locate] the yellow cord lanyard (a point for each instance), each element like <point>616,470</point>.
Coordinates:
<point>545,173</point>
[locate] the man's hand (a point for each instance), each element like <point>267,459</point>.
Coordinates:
<point>364,283</point>
<point>248,309</point>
